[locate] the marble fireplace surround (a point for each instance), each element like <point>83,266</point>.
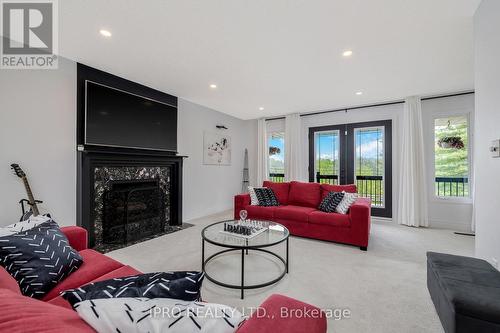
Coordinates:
<point>97,170</point>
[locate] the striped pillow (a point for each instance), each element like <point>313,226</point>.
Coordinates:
<point>331,201</point>
<point>347,201</point>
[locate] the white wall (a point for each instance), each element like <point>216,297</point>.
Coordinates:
<point>38,131</point>
<point>208,188</point>
<point>487,126</point>
<point>442,213</point>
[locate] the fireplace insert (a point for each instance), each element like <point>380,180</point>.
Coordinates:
<point>132,210</point>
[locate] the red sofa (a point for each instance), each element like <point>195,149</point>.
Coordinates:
<point>298,212</point>
<point>53,314</point>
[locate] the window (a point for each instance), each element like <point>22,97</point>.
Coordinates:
<point>451,156</point>
<point>326,157</point>
<point>369,163</point>
<point>276,146</point>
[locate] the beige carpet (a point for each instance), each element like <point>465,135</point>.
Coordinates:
<point>384,288</point>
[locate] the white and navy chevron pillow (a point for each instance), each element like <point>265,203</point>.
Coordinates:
<point>347,201</point>
<point>331,201</point>
<point>159,315</point>
<point>179,285</point>
<point>38,258</point>
<point>266,197</point>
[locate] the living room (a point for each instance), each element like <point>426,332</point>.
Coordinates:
<point>304,166</point>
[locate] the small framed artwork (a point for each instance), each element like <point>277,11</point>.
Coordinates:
<point>216,149</point>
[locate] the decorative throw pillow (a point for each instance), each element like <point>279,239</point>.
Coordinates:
<point>330,202</point>
<point>38,258</point>
<point>30,223</point>
<point>179,285</point>
<point>266,197</point>
<point>159,315</point>
<point>347,201</point>
<point>253,197</point>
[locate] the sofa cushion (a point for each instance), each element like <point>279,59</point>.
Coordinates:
<point>294,213</point>
<point>304,194</point>
<point>266,197</point>
<point>260,212</point>
<point>39,258</point>
<point>94,265</point>
<point>177,285</point>
<point>331,201</point>
<point>120,272</point>
<point>280,190</point>
<point>28,315</point>
<point>8,282</point>
<point>330,219</point>
<point>349,188</point>
<point>158,315</point>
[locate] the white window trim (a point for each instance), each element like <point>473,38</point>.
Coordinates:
<point>432,176</point>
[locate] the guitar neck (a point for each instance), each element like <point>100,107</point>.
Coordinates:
<point>30,197</point>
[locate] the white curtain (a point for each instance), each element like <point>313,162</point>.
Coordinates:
<point>413,210</point>
<point>292,147</point>
<point>262,152</point>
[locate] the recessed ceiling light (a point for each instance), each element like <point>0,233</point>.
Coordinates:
<point>347,53</point>
<point>261,108</point>
<point>105,33</point>
<point>359,93</point>
<point>213,86</point>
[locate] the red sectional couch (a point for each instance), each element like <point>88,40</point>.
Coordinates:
<point>298,212</point>
<point>53,314</point>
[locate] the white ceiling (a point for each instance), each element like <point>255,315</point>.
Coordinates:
<point>284,55</point>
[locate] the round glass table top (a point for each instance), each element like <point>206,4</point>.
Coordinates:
<point>273,234</point>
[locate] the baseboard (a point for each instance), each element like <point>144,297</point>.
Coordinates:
<point>455,226</point>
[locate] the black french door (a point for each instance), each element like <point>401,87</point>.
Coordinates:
<point>360,154</point>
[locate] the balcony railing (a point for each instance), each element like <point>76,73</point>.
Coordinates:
<point>452,186</point>
<point>277,177</point>
<point>368,186</point>
<point>327,179</point>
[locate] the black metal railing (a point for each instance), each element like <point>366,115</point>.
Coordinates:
<point>277,177</point>
<point>452,186</point>
<point>368,186</point>
<point>327,179</point>
<point>371,187</point>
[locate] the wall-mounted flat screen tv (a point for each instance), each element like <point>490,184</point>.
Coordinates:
<point>116,118</point>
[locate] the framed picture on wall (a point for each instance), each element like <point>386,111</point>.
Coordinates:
<point>216,149</point>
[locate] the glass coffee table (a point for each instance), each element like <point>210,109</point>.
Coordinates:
<point>275,234</point>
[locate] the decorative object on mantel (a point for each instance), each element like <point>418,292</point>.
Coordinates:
<point>245,173</point>
<point>216,149</point>
<point>451,142</point>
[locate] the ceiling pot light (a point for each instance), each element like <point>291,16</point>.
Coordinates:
<point>213,86</point>
<point>261,108</point>
<point>347,53</point>
<point>359,93</point>
<point>105,33</point>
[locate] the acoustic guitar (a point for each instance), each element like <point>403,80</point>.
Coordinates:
<point>31,200</point>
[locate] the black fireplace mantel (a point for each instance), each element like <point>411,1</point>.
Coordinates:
<point>90,158</point>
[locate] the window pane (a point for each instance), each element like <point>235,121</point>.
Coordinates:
<point>369,163</point>
<point>326,157</point>
<point>451,156</point>
<point>276,145</point>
